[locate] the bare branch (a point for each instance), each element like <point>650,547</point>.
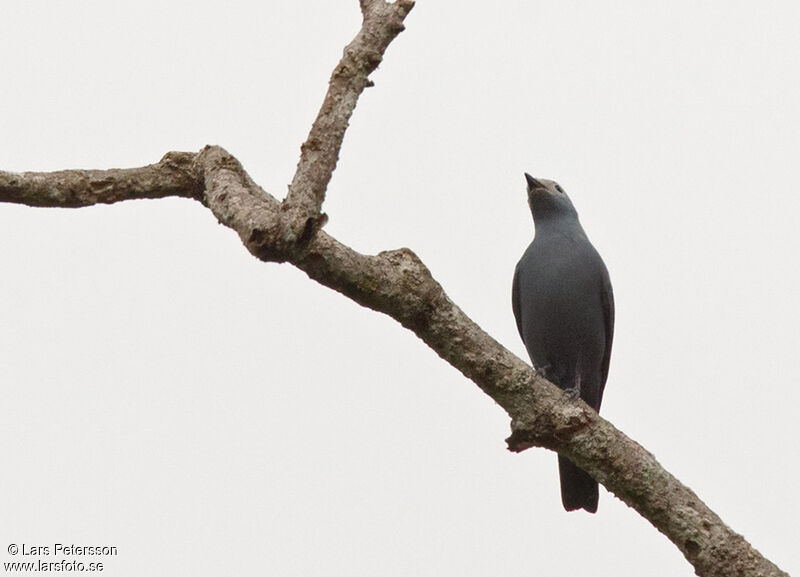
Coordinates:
<point>320,152</point>
<point>171,176</point>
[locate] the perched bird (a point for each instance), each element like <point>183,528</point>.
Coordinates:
<point>564,308</point>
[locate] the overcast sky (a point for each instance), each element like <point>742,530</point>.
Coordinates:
<point>166,393</point>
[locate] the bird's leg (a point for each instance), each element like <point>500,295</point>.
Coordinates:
<point>541,371</point>
<point>574,392</point>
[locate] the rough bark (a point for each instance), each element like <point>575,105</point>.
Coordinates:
<point>397,283</point>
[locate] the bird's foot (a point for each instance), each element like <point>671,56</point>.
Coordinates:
<point>573,393</point>
<point>541,371</point>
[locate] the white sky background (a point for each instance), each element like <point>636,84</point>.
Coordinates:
<point>208,414</point>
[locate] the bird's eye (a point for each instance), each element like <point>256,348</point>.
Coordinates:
<point>559,189</point>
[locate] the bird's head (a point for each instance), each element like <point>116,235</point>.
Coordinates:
<point>547,199</point>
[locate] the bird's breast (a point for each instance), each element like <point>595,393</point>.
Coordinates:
<point>560,287</point>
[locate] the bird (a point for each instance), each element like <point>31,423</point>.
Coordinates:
<point>564,308</point>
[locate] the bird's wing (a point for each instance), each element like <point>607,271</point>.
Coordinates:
<point>515,304</point>
<point>608,314</point>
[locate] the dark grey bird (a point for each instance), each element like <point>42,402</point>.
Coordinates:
<point>564,308</point>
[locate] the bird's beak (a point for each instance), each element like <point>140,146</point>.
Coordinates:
<point>533,183</point>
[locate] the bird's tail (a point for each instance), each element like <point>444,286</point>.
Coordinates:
<point>578,489</point>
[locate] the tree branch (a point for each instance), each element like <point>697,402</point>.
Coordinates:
<point>320,152</point>
<point>398,284</point>
<point>171,176</point>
